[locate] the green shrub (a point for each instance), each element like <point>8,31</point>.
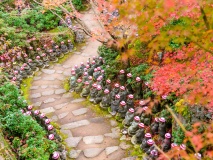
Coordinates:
<point>78,4</point>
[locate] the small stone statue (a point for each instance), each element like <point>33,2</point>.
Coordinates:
<point>198,156</point>
<point>73,81</point>
<point>129,117</point>
<point>128,86</point>
<point>99,95</point>
<point>108,84</point>
<point>78,71</point>
<point>154,126</point>
<point>79,87</point>
<point>146,138</point>
<point>122,109</point>
<point>28,69</point>
<point>64,48</point>
<point>162,127</point>
<point>93,92</point>
<point>31,52</point>
<point>149,143</point>
<point>105,102</point>
<point>52,56</point>
<point>137,88</point>
<point>96,73</point>
<point>23,73</point>
<point>58,52</point>
<point>45,60</point>
<point>70,45</point>
<point>100,81</point>
<point>85,77</point>
<point>130,102</point>
<point>115,105</point>
<point>39,62</point>
<point>122,93</point>
<point>153,154</point>
<point>53,46</point>
<point>134,126</point>
<point>139,135</point>
<point>166,145</point>
<point>82,66</point>
<point>121,77</point>
<point>145,117</point>
<point>86,90</point>
<point>114,91</point>
<point>100,61</point>
<point>39,52</point>
<point>90,81</point>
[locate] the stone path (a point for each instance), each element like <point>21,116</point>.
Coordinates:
<point>90,137</point>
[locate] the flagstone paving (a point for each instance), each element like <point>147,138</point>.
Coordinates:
<point>91,137</point>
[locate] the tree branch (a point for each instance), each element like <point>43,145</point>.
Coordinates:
<point>205,18</point>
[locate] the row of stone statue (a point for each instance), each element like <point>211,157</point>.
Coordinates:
<point>89,80</point>
<point>26,64</point>
<point>52,134</point>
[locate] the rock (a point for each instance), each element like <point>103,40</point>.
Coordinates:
<point>48,71</point>
<point>129,158</point>
<point>59,71</point>
<point>66,95</point>
<point>54,118</point>
<point>59,91</point>
<point>59,106</point>
<point>110,150</point>
<point>34,87</point>
<point>93,139</point>
<point>38,104</point>
<point>44,86</point>
<point>66,73</point>
<point>47,110</point>
<point>62,115</point>
<point>66,66</point>
<point>112,135</point>
<point>113,123</point>
<point>124,146</point>
<point>47,93</point>
<point>73,141</point>
<point>49,78</point>
<point>36,95</point>
<point>75,124</point>
<point>79,111</point>
<point>67,132</point>
<point>36,78</point>
<point>123,138</point>
<point>92,152</point>
<point>97,120</point>
<point>49,100</point>
<point>78,100</point>
<point>74,153</point>
<point>54,86</point>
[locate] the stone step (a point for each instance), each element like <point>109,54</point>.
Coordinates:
<point>75,124</point>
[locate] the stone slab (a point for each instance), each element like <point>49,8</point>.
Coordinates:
<point>78,100</point>
<point>59,106</point>
<point>74,153</point>
<point>36,78</point>
<point>49,100</point>
<point>34,87</point>
<point>44,86</point>
<point>36,95</point>
<point>54,118</point>
<point>92,152</point>
<point>124,146</point>
<point>79,111</point>
<point>93,139</point>
<point>48,71</point>
<point>63,115</point>
<point>66,73</point>
<point>75,124</point>
<point>73,141</point>
<point>110,150</point>
<point>60,91</point>
<point>47,110</point>
<point>47,93</point>
<point>66,132</point>
<point>37,104</point>
<point>59,71</point>
<point>49,78</point>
